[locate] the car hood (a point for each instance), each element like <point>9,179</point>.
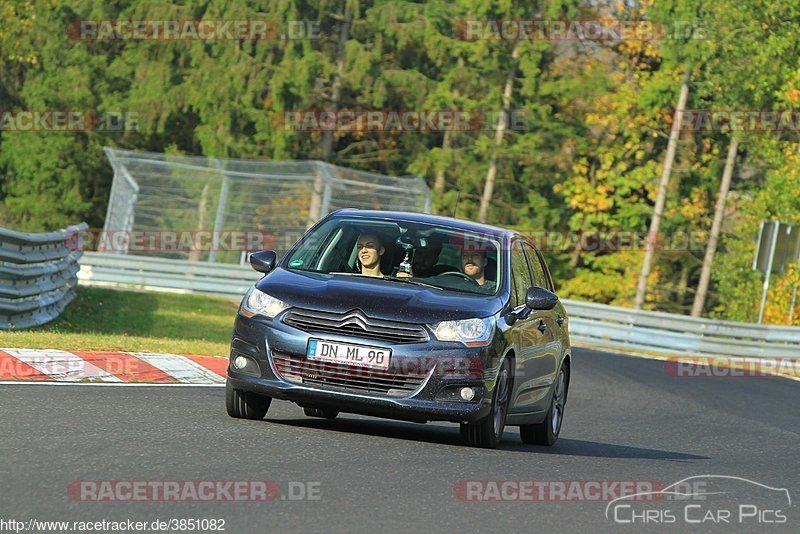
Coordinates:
<point>375,297</point>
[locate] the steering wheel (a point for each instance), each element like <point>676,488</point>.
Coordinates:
<point>460,275</point>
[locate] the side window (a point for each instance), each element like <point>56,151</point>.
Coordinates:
<point>520,272</point>
<point>539,278</point>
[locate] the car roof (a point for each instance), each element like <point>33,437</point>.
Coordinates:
<point>408,216</point>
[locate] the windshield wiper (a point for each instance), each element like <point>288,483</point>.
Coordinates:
<point>409,281</point>
<point>391,278</point>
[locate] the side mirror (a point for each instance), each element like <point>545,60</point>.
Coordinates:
<point>263,261</point>
<point>539,298</point>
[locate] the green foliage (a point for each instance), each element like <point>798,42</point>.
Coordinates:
<point>17,25</point>
<point>596,116</point>
<point>739,287</point>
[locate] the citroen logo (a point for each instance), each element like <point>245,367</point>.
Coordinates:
<point>355,318</point>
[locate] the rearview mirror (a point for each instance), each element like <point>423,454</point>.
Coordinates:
<point>408,242</point>
<point>263,261</point>
<point>539,298</point>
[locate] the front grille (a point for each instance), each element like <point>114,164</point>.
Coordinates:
<point>342,377</point>
<point>355,323</point>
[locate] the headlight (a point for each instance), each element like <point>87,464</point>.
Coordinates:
<point>259,303</point>
<point>471,332</point>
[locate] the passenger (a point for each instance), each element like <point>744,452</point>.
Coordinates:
<point>473,263</point>
<point>424,263</point>
<point>370,250</point>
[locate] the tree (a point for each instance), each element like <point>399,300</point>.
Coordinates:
<point>661,199</point>
<point>716,227</point>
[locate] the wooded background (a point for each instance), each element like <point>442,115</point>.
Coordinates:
<point>598,116</point>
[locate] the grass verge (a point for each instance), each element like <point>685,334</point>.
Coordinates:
<point>134,321</point>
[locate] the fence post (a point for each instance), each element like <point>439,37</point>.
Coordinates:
<point>325,208</point>
<point>317,193</point>
<point>218,220</point>
<point>130,215</point>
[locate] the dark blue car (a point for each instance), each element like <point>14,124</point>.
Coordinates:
<point>406,316</point>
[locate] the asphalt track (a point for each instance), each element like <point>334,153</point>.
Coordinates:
<point>626,420</point>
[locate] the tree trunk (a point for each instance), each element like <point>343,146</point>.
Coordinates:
<point>491,174</point>
<point>194,254</point>
<point>575,256</point>
<point>439,183</point>
<point>447,141</point>
<point>716,226</point>
<point>661,199</point>
<point>336,86</point>
<point>314,212</point>
<point>683,283</point>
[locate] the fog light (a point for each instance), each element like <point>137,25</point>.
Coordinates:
<point>240,362</point>
<point>467,394</point>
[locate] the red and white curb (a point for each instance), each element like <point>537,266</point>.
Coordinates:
<point>110,368</point>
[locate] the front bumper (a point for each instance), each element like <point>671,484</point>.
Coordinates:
<point>451,366</point>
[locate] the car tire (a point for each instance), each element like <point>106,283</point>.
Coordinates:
<point>324,413</point>
<point>244,404</point>
<point>546,433</point>
<point>488,432</point>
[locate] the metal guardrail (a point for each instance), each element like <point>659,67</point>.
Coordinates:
<point>150,272</point>
<point>37,275</point>
<point>619,328</point>
<point>597,325</point>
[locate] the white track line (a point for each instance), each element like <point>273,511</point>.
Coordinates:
<point>180,368</point>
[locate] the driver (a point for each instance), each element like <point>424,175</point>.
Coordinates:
<point>369,253</point>
<point>473,263</point>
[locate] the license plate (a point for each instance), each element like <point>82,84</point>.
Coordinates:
<point>359,355</point>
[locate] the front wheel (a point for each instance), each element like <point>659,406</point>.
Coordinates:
<point>488,432</point>
<point>244,404</point>
<point>546,433</point>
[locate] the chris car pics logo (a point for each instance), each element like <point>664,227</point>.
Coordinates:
<point>705,500</point>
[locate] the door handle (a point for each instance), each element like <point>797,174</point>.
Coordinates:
<point>541,326</point>
<point>560,321</point>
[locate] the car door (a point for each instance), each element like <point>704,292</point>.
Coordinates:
<point>551,322</point>
<point>533,337</point>
<point>558,315</point>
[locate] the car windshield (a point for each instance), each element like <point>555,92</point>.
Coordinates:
<point>445,257</point>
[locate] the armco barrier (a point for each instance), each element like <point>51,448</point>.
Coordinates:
<point>624,328</point>
<point>37,275</point>
<point>150,272</point>
<point>597,325</point>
